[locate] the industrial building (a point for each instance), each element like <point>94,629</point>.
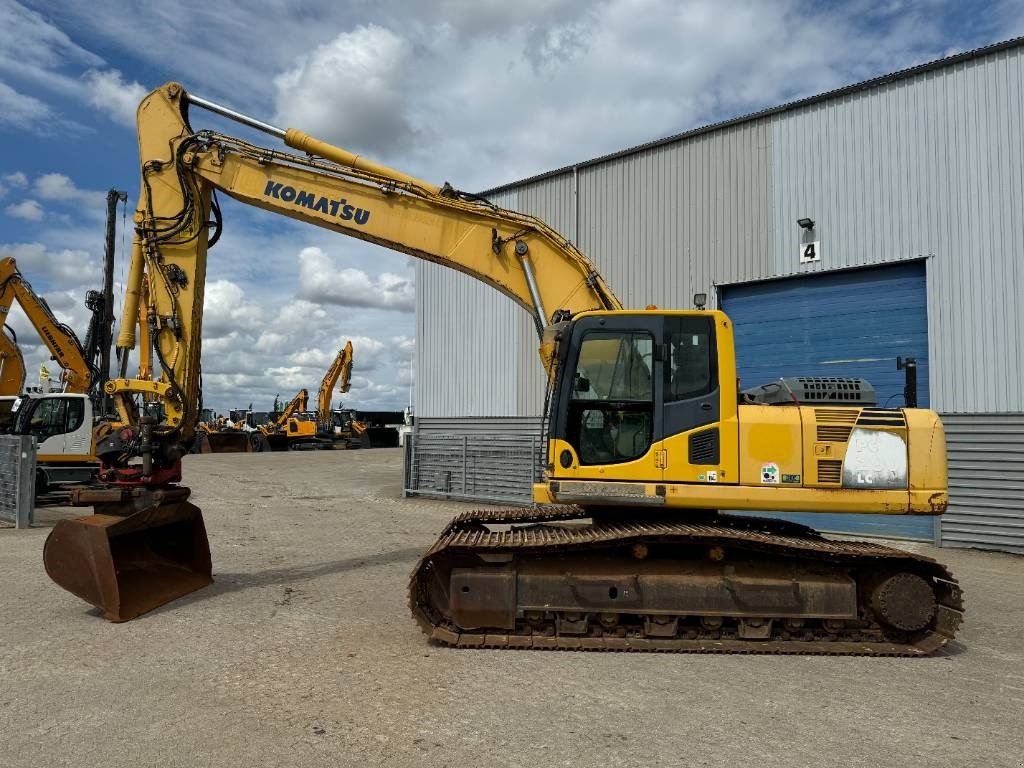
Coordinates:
<point>909,193</point>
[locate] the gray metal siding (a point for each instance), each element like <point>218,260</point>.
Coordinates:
<point>465,344</point>
<point>986,482</point>
<point>667,222</point>
<point>930,165</point>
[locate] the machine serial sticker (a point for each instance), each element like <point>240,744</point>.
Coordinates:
<point>791,479</point>
<point>770,474</point>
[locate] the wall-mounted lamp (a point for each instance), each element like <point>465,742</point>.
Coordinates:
<point>699,300</point>
<point>806,223</point>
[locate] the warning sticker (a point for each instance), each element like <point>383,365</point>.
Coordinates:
<point>712,477</point>
<point>769,474</point>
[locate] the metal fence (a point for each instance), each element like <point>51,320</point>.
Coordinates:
<point>472,467</point>
<point>17,479</point>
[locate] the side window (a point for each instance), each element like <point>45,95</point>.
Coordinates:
<point>49,417</point>
<point>76,414</point>
<point>692,368</point>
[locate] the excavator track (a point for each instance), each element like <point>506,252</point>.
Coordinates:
<point>547,579</point>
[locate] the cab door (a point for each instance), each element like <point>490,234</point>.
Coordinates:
<point>608,418</point>
<point>692,409</point>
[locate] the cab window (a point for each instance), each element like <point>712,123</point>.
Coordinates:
<point>50,417</point>
<point>611,411</point>
<point>692,365</point>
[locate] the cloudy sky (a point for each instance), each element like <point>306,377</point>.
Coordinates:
<point>476,92</point>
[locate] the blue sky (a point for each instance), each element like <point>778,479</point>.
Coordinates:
<point>476,92</point>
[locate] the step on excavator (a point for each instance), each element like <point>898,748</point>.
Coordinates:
<point>647,440</point>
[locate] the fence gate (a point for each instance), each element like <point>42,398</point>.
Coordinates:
<point>491,468</point>
<point>17,479</point>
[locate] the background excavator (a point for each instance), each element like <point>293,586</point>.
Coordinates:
<point>339,373</point>
<point>647,440</point>
<point>60,420</point>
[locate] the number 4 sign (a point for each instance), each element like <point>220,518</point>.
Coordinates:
<point>810,252</point>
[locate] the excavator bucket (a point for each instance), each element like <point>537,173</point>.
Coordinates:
<point>232,442</point>
<point>126,565</point>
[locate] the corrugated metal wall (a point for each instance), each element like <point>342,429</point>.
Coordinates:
<point>986,482</point>
<point>931,165</point>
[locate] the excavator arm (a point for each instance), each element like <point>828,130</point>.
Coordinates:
<point>298,404</point>
<point>60,340</point>
<point>340,369</point>
<point>12,364</point>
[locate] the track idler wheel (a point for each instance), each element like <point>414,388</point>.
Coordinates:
<point>905,601</point>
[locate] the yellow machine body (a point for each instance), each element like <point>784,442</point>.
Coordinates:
<point>805,458</point>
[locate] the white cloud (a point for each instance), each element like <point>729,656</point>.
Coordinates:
<point>15,180</point>
<point>226,310</point>
<point>322,281</point>
<point>351,90</point>
<point>60,269</point>
<point>19,110</point>
<point>29,210</point>
<point>107,91</point>
<point>57,186</point>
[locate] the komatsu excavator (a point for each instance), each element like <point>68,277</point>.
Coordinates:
<point>647,440</point>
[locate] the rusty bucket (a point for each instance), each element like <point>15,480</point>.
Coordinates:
<point>126,565</point>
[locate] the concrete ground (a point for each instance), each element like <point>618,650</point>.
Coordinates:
<point>303,653</point>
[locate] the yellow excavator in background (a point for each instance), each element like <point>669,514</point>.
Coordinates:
<point>648,438</point>
<point>339,372</point>
<point>294,427</point>
<point>12,363</point>
<point>60,420</point>
<point>12,376</point>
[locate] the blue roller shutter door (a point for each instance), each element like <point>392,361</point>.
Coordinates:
<point>854,324</point>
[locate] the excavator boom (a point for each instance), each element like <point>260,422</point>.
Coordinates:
<point>340,373</point>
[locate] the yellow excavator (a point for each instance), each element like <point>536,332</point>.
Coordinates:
<point>338,373</point>
<point>293,428</point>
<point>12,376</point>
<point>12,363</point>
<point>648,439</point>
<point>60,420</point>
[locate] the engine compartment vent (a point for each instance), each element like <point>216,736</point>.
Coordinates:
<point>835,416</point>
<point>881,417</point>
<point>830,471</point>
<point>833,434</point>
<point>812,390</point>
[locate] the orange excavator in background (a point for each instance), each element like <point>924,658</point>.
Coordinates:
<point>648,439</point>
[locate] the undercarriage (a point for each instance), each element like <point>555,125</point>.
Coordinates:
<point>552,578</point>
